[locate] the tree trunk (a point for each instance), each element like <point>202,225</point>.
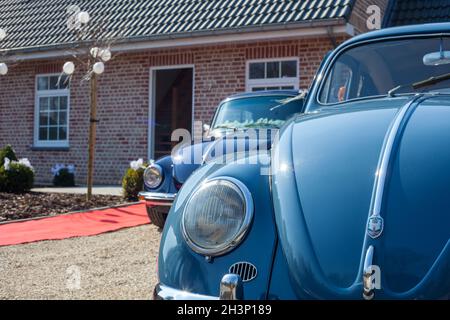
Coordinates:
<point>92,135</point>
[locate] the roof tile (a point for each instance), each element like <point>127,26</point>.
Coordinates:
<point>40,23</point>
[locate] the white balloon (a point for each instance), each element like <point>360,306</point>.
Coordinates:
<point>69,68</point>
<point>3,69</point>
<point>95,52</point>
<point>83,17</point>
<point>98,67</point>
<point>105,55</point>
<point>2,34</point>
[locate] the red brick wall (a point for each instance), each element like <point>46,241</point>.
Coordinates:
<point>124,100</point>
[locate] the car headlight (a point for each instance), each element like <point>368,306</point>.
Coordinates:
<point>153,176</point>
<point>217,216</point>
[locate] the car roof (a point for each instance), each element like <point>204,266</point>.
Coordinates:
<point>419,29</point>
<point>267,93</point>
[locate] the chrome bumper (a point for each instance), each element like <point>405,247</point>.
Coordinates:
<point>166,293</point>
<point>157,198</point>
<point>230,289</point>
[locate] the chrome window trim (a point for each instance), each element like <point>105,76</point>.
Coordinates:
<point>248,218</point>
<point>317,104</point>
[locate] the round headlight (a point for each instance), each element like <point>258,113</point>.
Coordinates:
<point>153,176</point>
<point>217,216</point>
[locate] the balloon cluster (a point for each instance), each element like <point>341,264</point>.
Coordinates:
<point>100,55</point>
<point>3,66</point>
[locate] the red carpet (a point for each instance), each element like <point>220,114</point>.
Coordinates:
<point>73,225</point>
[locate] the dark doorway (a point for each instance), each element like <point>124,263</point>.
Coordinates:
<point>172,101</point>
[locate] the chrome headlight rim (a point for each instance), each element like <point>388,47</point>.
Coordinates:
<point>161,175</point>
<point>243,230</point>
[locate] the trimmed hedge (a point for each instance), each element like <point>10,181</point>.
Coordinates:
<point>17,179</point>
<point>64,178</point>
<point>7,152</point>
<point>133,183</point>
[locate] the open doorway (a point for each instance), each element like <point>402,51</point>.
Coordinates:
<point>172,102</point>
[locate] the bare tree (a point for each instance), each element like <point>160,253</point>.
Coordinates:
<point>91,49</point>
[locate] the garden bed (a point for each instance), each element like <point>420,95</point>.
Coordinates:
<point>36,204</point>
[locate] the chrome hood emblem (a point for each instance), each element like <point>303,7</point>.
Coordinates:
<point>375,226</point>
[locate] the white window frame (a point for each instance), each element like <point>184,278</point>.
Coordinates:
<point>272,82</point>
<point>43,94</point>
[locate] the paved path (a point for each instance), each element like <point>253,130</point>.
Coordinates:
<point>99,190</point>
<point>116,265</point>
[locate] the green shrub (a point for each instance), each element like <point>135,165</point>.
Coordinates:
<point>64,178</point>
<point>133,183</point>
<point>7,152</point>
<point>18,178</point>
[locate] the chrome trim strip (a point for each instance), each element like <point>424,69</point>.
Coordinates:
<point>249,208</point>
<point>383,165</point>
<point>157,198</point>
<point>368,292</point>
<point>163,292</point>
<point>209,149</point>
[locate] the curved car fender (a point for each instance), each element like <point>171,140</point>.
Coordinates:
<point>167,185</point>
<point>183,269</point>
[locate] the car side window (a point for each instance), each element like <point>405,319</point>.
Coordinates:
<point>338,86</point>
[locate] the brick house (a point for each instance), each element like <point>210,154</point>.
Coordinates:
<point>176,61</point>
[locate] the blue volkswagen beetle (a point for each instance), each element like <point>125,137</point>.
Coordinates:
<point>257,111</point>
<point>357,203</point>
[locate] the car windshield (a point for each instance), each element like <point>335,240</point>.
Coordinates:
<point>256,112</point>
<point>376,69</point>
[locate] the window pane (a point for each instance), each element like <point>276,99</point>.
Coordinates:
<point>62,133</point>
<point>53,118</point>
<point>54,103</point>
<point>257,70</point>
<point>64,82</point>
<point>42,83</point>
<point>289,69</point>
<point>43,119</point>
<point>54,85</point>
<point>273,69</point>
<point>43,133</point>
<point>254,89</point>
<point>63,103</point>
<point>287,88</point>
<point>53,133</point>
<point>62,118</point>
<point>43,104</point>
<point>273,88</point>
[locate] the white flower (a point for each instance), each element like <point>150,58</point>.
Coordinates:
<point>57,168</point>
<point>26,163</point>
<point>136,165</point>
<point>71,168</point>
<point>7,162</point>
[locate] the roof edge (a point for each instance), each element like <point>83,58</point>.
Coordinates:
<point>188,35</point>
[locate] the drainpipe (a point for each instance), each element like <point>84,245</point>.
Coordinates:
<point>332,37</point>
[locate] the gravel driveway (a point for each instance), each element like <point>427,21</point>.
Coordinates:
<point>117,265</point>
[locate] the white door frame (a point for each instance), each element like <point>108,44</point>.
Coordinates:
<point>152,107</point>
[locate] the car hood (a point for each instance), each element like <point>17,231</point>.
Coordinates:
<point>325,170</point>
<point>228,148</point>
